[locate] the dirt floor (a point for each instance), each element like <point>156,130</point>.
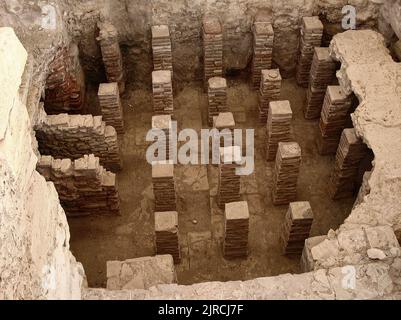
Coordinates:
<point>97,239</point>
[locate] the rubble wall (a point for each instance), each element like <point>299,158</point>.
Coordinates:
<point>28,269</point>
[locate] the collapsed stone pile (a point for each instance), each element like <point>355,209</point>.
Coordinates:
<point>83,185</point>
<point>73,136</point>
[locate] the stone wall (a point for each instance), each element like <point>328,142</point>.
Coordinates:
<point>28,219</point>
<point>84,186</point>
<point>73,136</point>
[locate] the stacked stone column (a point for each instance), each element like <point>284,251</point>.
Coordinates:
<point>333,119</point>
<point>236,222</point>
<point>311,37</point>
<point>162,92</point>
<point>164,186</point>
<point>110,106</point>
<point>285,179</point>
<point>296,228</point>
<point>161,47</point>
<point>164,123</point>
<point>111,53</point>
<point>263,38</point>
<point>229,182</point>
<point>322,74</point>
<point>270,88</point>
<point>225,123</point>
<point>350,153</point>
<point>217,97</point>
<point>166,234</point>
<point>212,33</point>
<point>278,127</point>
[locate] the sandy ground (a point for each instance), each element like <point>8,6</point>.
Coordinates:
<point>97,239</point>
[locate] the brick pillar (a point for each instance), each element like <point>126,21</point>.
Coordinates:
<point>228,183</point>
<point>322,74</point>
<point>164,186</point>
<point>162,92</point>
<point>270,87</point>
<point>296,228</point>
<point>285,179</point>
<point>350,152</point>
<point>236,218</point>
<point>161,47</point>
<point>311,37</point>
<point>212,34</point>
<point>111,53</point>
<point>278,127</point>
<point>225,123</point>
<point>263,37</point>
<point>164,123</point>
<point>217,97</point>
<point>166,234</point>
<point>110,106</point>
<point>333,119</point>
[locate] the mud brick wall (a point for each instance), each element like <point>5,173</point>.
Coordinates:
<point>73,136</point>
<point>83,185</point>
<point>65,85</point>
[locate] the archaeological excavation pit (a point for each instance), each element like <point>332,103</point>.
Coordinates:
<point>99,143</point>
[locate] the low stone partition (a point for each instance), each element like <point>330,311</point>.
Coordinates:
<point>84,186</point>
<point>141,273</point>
<point>73,136</point>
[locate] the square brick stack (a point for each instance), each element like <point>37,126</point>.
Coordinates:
<point>110,105</point>
<point>296,228</point>
<point>278,127</point>
<point>236,220</point>
<point>212,34</point>
<point>217,97</point>
<point>164,123</point>
<point>322,74</point>
<point>167,236</point>
<point>225,123</point>
<point>111,53</point>
<point>228,183</point>
<point>161,47</point>
<point>162,92</point>
<point>164,186</point>
<point>270,88</point>
<point>311,37</point>
<point>263,38</point>
<point>350,152</point>
<point>285,179</point>
<point>333,119</point>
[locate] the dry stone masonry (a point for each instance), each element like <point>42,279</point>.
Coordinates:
<point>263,39</point>
<point>296,228</point>
<point>322,74</point>
<point>278,127</point>
<point>236,222</point>
<point>73,136</point>
<point>285,179</point>
<point>217,97</point>
<point>110,106</point>
<point>111,53</point>
<point>333,119</point>
<point>163,123</point>
<point>83,185</point>
<point>162,92</point>
<point>350,152</point>
<point>167,236</point>
<point>212,35</point>
<point>161,48</point>
<point>311,37</point>
<point>228,183</point>
<point>270,88</point>
<point>164,186</point>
